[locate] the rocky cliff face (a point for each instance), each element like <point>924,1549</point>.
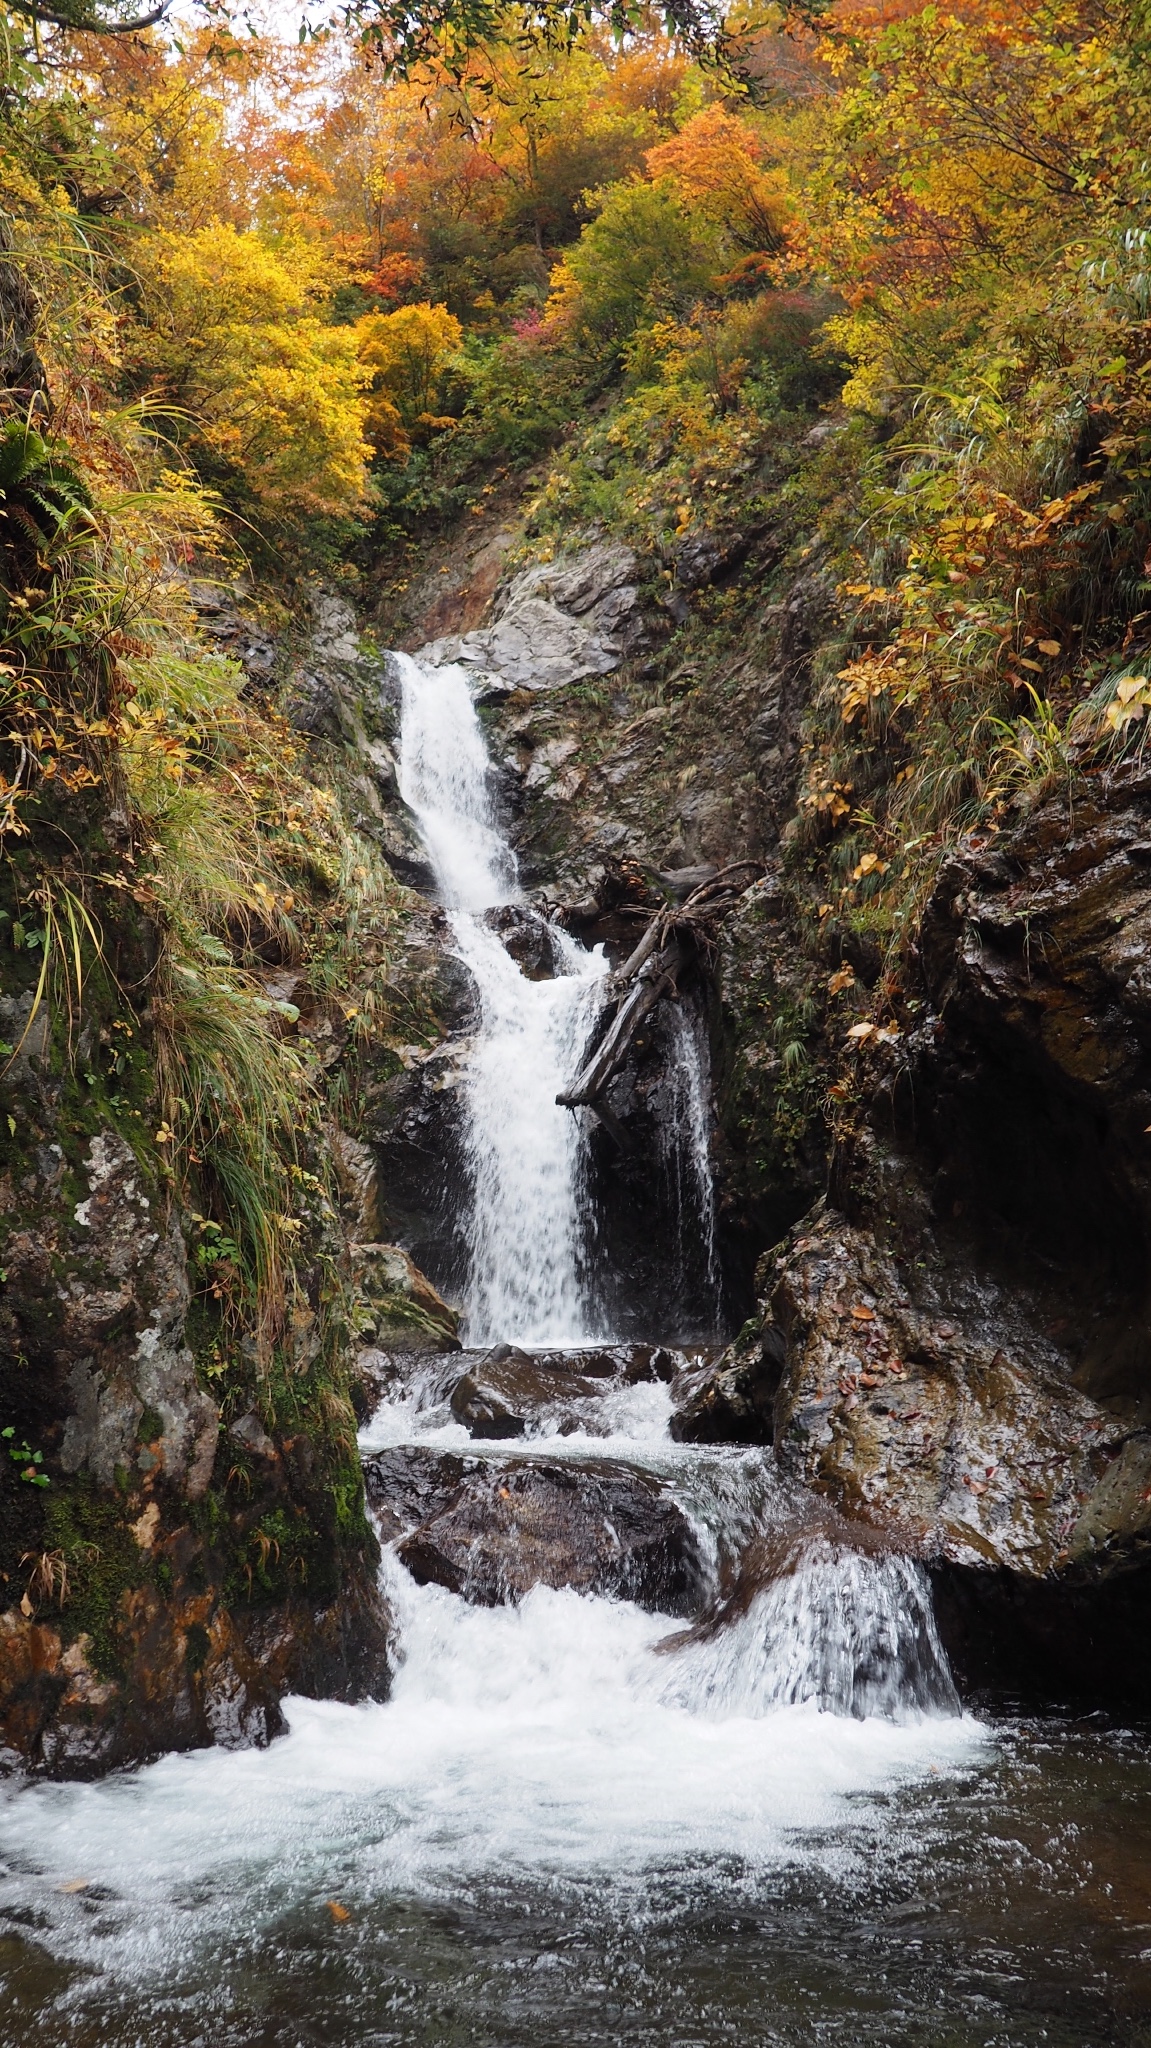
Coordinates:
<point>182,1529</point>
<point>171,1573</point>
<point>951,1337</point>
<point>946,1341</point>
<point>953,1344</point>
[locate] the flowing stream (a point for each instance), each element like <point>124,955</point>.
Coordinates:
<point>574,1820</point>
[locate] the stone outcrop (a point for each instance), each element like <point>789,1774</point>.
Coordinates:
<point>556,623</point>
<point>171,1579</point>
<point>179,1669</point>
<point>953,1346</point>
<point>96,1293</point>
<point>397,1306</point>
<point>925,1398</point>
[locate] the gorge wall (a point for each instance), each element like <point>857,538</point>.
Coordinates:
<point>931,1162</point>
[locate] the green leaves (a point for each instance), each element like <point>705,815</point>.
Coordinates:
<point>29,1460</point>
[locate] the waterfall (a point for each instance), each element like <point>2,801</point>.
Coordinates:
<point>568,1750</point>
<point>685,1145</point>
<point>527,1156</point>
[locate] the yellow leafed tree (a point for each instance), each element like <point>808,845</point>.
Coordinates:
<point>403,355</point>
<point>266,395</point>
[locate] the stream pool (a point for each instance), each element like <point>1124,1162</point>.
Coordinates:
<point>994,1894</point>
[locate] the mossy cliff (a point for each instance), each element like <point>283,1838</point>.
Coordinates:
<point>182,1527</point>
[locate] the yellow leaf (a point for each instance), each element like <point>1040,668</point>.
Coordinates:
<point>339,1913</point>
<point>861,1030</point>
<point>1050,647</point>
<point>870,865</point>
<point>75,1884</point>
<point>1130,687</point>
<point>26,1607</point>
<point>841,979</point>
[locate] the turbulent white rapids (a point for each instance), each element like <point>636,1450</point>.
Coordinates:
<point>549,1741</point>
<point>539,1745</point>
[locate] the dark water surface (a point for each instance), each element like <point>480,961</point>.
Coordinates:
<point>1009,1904</point>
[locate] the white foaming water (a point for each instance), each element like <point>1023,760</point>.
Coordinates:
<point>527,1229</point>
<point>444,778</point>
<point>571,1739</point>
<point>563,1739</point>
<point>851,1633</point>
<point>530,1743</point>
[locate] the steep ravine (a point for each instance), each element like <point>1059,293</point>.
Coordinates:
<point>663,1728</point>
<point>944,1343</point>
<point>948,1343</point>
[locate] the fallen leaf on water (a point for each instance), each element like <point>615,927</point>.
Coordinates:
<point>75,1884</point>
<point>338,1912</point>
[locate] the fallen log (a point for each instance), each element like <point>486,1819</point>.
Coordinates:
<point>654,978</point>
<point>651,971</point>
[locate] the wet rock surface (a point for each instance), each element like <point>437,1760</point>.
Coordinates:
<point>173,1579</point>
<point>397,1304</point>
<point>177,1665</point>
<point>726,1395</point>
<point>96,1300</point>
<point>492,1530</point>
<point>948,1419</point>
<point>1034,1079</point>
<point>508,1390</point>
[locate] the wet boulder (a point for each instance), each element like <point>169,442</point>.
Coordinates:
<point>929,1399</point>
<point>526,936</point>
<point>508,1389</point>
<point>597,1528</point>
<point>409,1484</point>
<point>496,1397</point>
<point>727,1396</point>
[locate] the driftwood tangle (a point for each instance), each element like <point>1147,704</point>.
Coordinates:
<point>673,936</point>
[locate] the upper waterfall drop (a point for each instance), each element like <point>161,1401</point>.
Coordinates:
<point>528,1280</point>
<point>445,778</point>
